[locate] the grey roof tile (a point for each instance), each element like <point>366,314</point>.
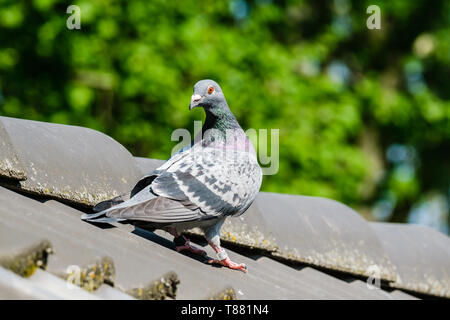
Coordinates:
<point>75,242</point>
<point>371,293</point>
<point>274,280</point>
<point>25,259</point>
<point>400,295</point>
<point>137,260</point>
<point>77,164</point>
<point>306,282</point>
<point>147,165</point>
<point>13,286</point>
<point>44,285</point>
<point>107,292</point>
<point>58,287</point>
<point>10,166</point>
<point>140,257</point>
<point>420,254</point>
<point>311,230</point>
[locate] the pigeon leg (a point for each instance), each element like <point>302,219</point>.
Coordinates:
<point>212,234</point>
<point>183,243</point>
<point>224,260</point>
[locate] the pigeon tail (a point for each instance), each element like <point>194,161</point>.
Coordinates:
<point>119,202</point>
<point>101,219</point>
<point>101,206</point>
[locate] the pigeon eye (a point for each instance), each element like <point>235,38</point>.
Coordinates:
<point>210,89</point>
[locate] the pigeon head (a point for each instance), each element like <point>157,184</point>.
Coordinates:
<point>209,95</point>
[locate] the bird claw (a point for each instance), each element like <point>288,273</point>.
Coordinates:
<point>189,247</point>
<point>230,264</point>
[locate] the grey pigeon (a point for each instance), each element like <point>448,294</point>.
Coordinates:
<point>215,177</point>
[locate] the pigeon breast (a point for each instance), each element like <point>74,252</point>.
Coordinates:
<point>220,178</point>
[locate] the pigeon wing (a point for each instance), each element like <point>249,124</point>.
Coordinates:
<point>147,206</point>
<point>217,183</point>
<point>159,210</point>
<point>162,200</point>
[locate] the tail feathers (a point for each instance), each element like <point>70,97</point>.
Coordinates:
<point>99,217</point>
<point>117,203</point>
<point>93,216</point>
<point>104,207</point>
<point>101,206</point>
<point>102,219</point>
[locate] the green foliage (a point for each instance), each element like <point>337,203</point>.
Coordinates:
<point>340,94</point>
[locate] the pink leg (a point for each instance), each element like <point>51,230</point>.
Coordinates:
<point>224,260</point>
<point>189,247</point>
<point>183,243</point>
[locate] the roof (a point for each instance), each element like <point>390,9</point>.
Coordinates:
<point>295,247</point>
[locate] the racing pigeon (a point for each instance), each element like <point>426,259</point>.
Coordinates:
<point>217,176</point>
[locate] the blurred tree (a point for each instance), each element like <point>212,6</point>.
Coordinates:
<point>363,114</point>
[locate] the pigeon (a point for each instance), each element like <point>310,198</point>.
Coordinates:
<point>215,177</point>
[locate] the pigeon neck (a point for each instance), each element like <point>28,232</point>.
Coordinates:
<point>220,118</point>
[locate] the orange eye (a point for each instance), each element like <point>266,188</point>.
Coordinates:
<point>210,89</point>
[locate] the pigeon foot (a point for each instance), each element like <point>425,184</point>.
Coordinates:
<point>187,246</point>
<point>230,264</point>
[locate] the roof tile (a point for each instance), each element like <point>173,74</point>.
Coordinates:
<point>420,254</point>
<point>311,230</point>
<point>10,166</point>
<point>74,164</point>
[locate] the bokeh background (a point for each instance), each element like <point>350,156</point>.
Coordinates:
<point>363,114</point>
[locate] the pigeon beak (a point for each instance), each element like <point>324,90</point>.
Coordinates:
<point>194,101</point>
